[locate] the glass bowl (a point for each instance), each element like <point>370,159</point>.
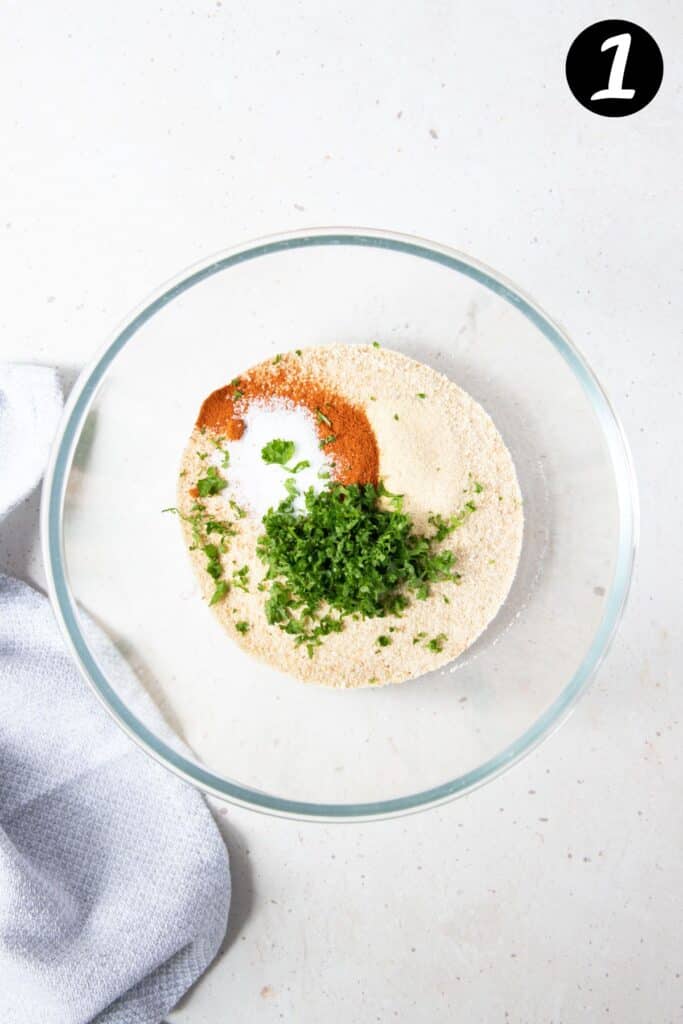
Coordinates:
<point>259,738</point>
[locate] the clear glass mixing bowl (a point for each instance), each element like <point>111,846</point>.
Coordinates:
<point>259,738</point>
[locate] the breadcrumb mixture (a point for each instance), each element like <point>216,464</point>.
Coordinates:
<point>438,448</point>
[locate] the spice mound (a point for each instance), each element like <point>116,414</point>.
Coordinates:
<point>343,429</point>
<point>353,517</point>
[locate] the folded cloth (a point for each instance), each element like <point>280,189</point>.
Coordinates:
<point>114,880</point>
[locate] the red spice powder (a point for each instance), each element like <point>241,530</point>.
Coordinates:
<point>350,440</point>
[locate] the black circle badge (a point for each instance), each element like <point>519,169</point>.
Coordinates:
<point>614,68</point>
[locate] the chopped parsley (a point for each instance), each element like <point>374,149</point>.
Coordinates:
<point>322,418</point>
<point>222,588</point>
<point>478,488</point>
<point>202,525</point>
<point>211,537</point>
<point>346,555</point>
<point>237,509</point>
<point>328,440</point>
<point>376,344</point>
<point>240,579</point>
<point>419,637</point>
<point>242,627</point>
<point>277,359</point>
<point>383,641</point>
<point>298,351</point>
<point>277,452</point>
<point>444,527</point>
<point>421,394</point>
<point>213,560</point>
<point>304,464</point>
<point>223,529</point>
<point>218,443</point>
<point>291,488</point>
<point>212,483</point>
<point>436,643</point>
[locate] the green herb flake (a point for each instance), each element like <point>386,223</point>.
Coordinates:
<point>383,640</point>
<point>218,443</point>
<point>277,452</point>
<point>395,415</point>
<point>237,509</point>
<point>277,358</point>
<point>202,455</point>
<point>182,473</point>
<point>376,344</point>
<point>242,627</point>
<point>240,579</point>
<point>478,488</point>
<point>212,483</point>
<point>330,439</point>
<point>395,500</point>
<point>304,464</point>
<point>436,643</point>
<point>222,588</point>
<point>421,394</point>
<point>291,488</point>
<point>324,474</point>
<point>298,351</point>
<point>419,637</point>
<point>213,560</point>
<point>322,418</point>
<point>444,527</point>
<point>219,527</point>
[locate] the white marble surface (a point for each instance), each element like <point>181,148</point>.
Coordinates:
<point>138,137</point>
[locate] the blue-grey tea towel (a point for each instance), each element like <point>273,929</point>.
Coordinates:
<point>114,880</point>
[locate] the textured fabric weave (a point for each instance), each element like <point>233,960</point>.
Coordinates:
<point>114,880</point>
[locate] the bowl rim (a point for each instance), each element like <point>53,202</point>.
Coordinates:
<point>54,492</point>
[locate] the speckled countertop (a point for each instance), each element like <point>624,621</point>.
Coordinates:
<point>137,138</point>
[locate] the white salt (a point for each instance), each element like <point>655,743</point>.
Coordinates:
<point>259,485</point>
